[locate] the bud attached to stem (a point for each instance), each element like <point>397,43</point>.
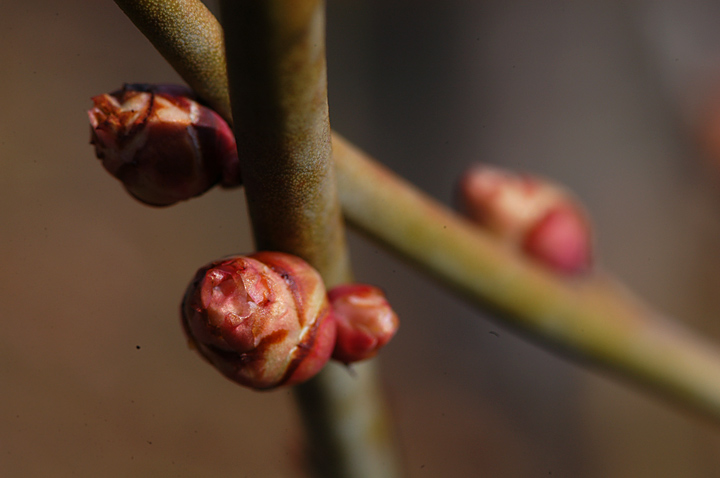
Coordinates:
<point>365,321</point>
<point>161,144</point>
<point>534,215</point>
<point>262,320</point>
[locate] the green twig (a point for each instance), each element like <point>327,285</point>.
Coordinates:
<point>279,103</point>
<point>591,318</point>
<point>278,81</point>
<point>190,39</point>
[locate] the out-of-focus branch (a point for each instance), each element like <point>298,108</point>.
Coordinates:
<point>592,318</point>
<point>589,317</point>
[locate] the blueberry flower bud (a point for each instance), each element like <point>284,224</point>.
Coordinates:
<point>262,320</point>
<point>365,321</point>
<point>161,144</point>
<point>539,218</point>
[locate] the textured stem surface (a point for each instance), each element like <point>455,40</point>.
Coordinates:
<point>594,318</point>
<point>278,81</point>
<point>279,97</point>
<point>190,38</point>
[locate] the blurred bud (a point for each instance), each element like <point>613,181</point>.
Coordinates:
<point>538,217</point>
<point>161,144</point>
<point>261,320</point>
<point>706,132</point>
<point>365,321</point>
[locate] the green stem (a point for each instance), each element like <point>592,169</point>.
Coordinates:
<point>190,38</point>
<point>278,82</point>
<point>590,318</point>
<point>279,101</point>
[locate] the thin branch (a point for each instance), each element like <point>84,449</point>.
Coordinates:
<point>279,102</point>
<point>190,38</point>
<point>278,79</point>
<point>593,319</point>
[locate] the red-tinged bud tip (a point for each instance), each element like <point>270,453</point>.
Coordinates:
<point>161,144</point>
<point>365,321</point>
<point>561,240</point>
<point>261,320</point>
<point>539,218</point>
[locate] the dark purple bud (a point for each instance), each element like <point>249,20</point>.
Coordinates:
<point>161,144</point>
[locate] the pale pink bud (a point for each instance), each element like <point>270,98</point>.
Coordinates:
<point>262,320</point>
<point>365,321</point>
<point>161,144</point>
<point>539,218</point>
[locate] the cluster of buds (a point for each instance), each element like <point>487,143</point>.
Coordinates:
<point>162,144</point>
<point>537,217</point>
<point>265,320</point>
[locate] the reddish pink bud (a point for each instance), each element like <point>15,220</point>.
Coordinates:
<point>161,144</point>
<point>707,132</point>
<point>365,321</point>
<point>536,216</point>
<point>261,320</point>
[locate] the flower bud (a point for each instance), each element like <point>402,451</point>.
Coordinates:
<point>161,144</point>
<point>536,216</point>
<point>365,321</point>
<point>262,320</point>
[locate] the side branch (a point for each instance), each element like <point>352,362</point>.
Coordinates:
<point>190,38</point>
<point>591,318</point>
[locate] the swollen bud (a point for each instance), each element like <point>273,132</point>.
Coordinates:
<point>262,320</point>
<point>534,215</point>
<point>161,144</point>
<point>365,321</point>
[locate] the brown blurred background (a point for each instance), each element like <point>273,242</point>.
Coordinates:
<point>95,375</point>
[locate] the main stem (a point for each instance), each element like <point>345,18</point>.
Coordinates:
<point>278,85</point>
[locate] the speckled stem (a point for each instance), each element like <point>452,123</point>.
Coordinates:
<point>278,88</point>
<point>593,319</point>
<point>187,34</point>
<point>279,101</point>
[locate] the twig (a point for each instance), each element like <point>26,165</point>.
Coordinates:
<point>190,38</point>
<point>279,95</point>
<point>591,318</point>
<point>280,100</point>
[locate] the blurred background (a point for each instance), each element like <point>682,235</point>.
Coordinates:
<point>618,100</point>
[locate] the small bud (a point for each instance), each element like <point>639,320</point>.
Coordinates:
<point>161,144</point>
<point>365,321</point>
<point>706,132</point>
<point>534,215</point>
<point>262,320</point>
